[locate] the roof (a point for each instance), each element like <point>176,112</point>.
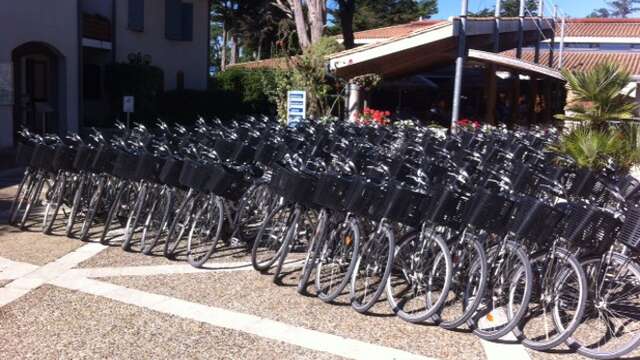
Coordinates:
<point>513,63</point>
<point>586,60</point>
<point>395,30</point>
<point>273,63</point>
<point>597,27</point>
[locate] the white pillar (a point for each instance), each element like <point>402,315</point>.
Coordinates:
<point>354,101</point>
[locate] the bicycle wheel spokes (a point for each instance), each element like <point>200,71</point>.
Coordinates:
<point>372,270</point>
<point>557,302</point>
<point>205,232</point>
<point>157,223</point>
<point>268,244</point>
<point>469,277</point>
<point>610,327</point>
<point>337,260</point>
<point>507,294</point>
<point>420,277</point>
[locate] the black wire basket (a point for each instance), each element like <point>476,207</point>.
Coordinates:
<point>533,220</point>
<point>24,153</point>
<point>367,199</point>
<point>445,206</point>
<point>294,186</point>
<point>84,158</point>
<point>170,172</point>
<point>266,153</point>
<point>194,175</point>
<point>104,159</point>
<point>63,158</point>
<point>488,210</point>
<point>581,183</point>
<point>244,154</point>
<point>404,206</point>
<point>225,149</point>
<point>227,183</point>
<point>331,191</point>
<point>589,227</point>
<point>148,167</point>
<point>124,166</point>
<point>630,231</point>
<point>43,157</point>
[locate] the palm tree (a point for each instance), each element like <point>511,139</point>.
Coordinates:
<point>599,96</point>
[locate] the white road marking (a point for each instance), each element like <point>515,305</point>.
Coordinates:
<point>11,270</point>
<point>44,274</point>
<point>266,328</point>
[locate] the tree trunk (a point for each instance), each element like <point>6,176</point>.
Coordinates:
<point>346,11</point>
<point>234,48</point>
<point>223,49</point>
<point>317,13</point>
<point>301,23</point>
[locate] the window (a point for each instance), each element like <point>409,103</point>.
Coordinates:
<point>178,20</point>
<point>136,15</point>
<point>91,82</point>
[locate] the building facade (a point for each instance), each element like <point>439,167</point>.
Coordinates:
<point>53,55</point>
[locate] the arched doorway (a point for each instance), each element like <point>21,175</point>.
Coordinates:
<point>38,87</point>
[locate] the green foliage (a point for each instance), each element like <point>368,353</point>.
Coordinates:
<point>617,9</point>
<point>371,14</point>
<point>594,148</point>
<point>248,85</point>
<point>143,81</point>
<point>304,72</point>
<point>598,95</point>
<point>509,8</point>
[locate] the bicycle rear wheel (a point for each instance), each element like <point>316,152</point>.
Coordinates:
<point>373,266</point>
<point>205,232</point>
<point>469,278</point>
<point>420,277</point>
<point>157,222</point>
<point>337,260</point>
<point>268,244</point>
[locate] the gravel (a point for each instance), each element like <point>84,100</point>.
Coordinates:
<point>58,323</point>
<point>253,293</point>
<point>34,247</point>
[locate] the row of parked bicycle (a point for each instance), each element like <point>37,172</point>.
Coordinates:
<point>484,228</point>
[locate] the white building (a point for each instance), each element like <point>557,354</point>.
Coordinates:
<point>53,55</point>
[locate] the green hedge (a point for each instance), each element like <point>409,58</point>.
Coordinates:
<point>145,82</point>
<point>231,93</point>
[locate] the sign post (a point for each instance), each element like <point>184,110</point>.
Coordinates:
<point>128,105</point>
<point>296,107</point>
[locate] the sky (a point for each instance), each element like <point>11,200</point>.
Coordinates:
<point>574,8</point>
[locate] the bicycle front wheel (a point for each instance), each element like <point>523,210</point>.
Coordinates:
<point>557,303</point>
<point>205,232</point>
<point>372,268</point>
<point>507,294</point>
<point>610,327</point>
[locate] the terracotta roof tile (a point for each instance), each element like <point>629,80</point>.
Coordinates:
<point>396,30</point>
<point>601,28</point>
<point>586,60</point>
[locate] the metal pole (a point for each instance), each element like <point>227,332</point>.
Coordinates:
<point>496,31</point>
<point>520,30</point>
<point>457,84</point>
<point>561,50</point>
<point>552,44</point>
<point>536,57</point>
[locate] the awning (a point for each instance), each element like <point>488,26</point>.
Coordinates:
<point>513,63</point>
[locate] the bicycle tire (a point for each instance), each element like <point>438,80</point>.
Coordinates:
<point>213,229</point>
<point>334,292</point>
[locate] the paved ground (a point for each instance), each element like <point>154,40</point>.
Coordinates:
<point>61,298</point>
